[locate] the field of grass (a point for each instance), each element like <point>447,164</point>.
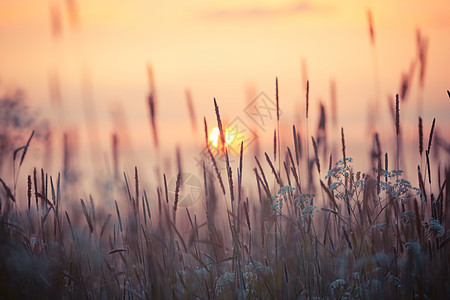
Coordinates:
<point>347,234</point>
<point>297,221</point>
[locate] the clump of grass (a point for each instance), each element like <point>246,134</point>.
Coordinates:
<point>356,243</point>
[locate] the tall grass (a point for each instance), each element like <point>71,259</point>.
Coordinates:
<point>366,235</point>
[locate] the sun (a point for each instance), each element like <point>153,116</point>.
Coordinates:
<point>214,139</point>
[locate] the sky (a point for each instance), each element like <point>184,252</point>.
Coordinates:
<point>100,52</point>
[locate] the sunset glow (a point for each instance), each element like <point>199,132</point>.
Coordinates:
<point>214,138</point>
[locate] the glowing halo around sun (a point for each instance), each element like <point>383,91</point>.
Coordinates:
<point>214,139</point>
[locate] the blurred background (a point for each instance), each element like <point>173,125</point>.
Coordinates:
<point>85,70</point>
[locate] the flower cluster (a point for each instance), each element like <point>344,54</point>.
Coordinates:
<point>255,277</point>
<point>308,211</point>
<point>400,188</point>
<point>304,202</point>
<point>338,287</point>
<point>343,173</point>
<point>341,169</point>
<point>277,200</point>
<point>225,284</point>
<point>435,228</point>
<point>259,269</point>
<point>304,199</point>
<point>391,174</point>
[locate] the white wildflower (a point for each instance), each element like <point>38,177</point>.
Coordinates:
<point>287,188</point>
<point>435,228</point>
<point>259,269</point>
<point>338,287</point>
<point>308,211</point>
<point>277,204</point>
<point>304,199</point>
<point>333,186</point>
<point>277,200</point>
<point>225,284</point>
<point>400,189</point>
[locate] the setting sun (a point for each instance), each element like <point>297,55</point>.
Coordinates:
<point>214,138</point>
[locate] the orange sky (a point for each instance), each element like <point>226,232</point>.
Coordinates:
<point>229,50</point>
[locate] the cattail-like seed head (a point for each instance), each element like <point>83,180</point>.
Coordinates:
<point>230,177</point>
<point>165,188</point>
<point>379,175</point>
<point>427,153</point>
<point>299,144</point>
<point>29,191</point>
<point>386,165</point>
<point>219,124</point>
<point>152,111</point>
<point>316,154</point>
<point>177,192</point>
<point>420,136</point>
<point>262,173</point>
<point>118,216</point>
<point>216,170</point>
<point>206,132</point>
<point>371,27</point>
<point>276,97</point>
<point>377,144</point>
<point>307,98</point>
<point>322,119</point>
<point>431,135</point>
<point>273,169</point>
<point>240,171</point>
<point>136,185</point>
<point>115,152</point>
<point>247,217</point>
<point>294,135</point>
<point>397,116</point>
<point>422,47</point>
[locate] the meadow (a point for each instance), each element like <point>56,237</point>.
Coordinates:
<point>295,220</point>
<point>284,233</point>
